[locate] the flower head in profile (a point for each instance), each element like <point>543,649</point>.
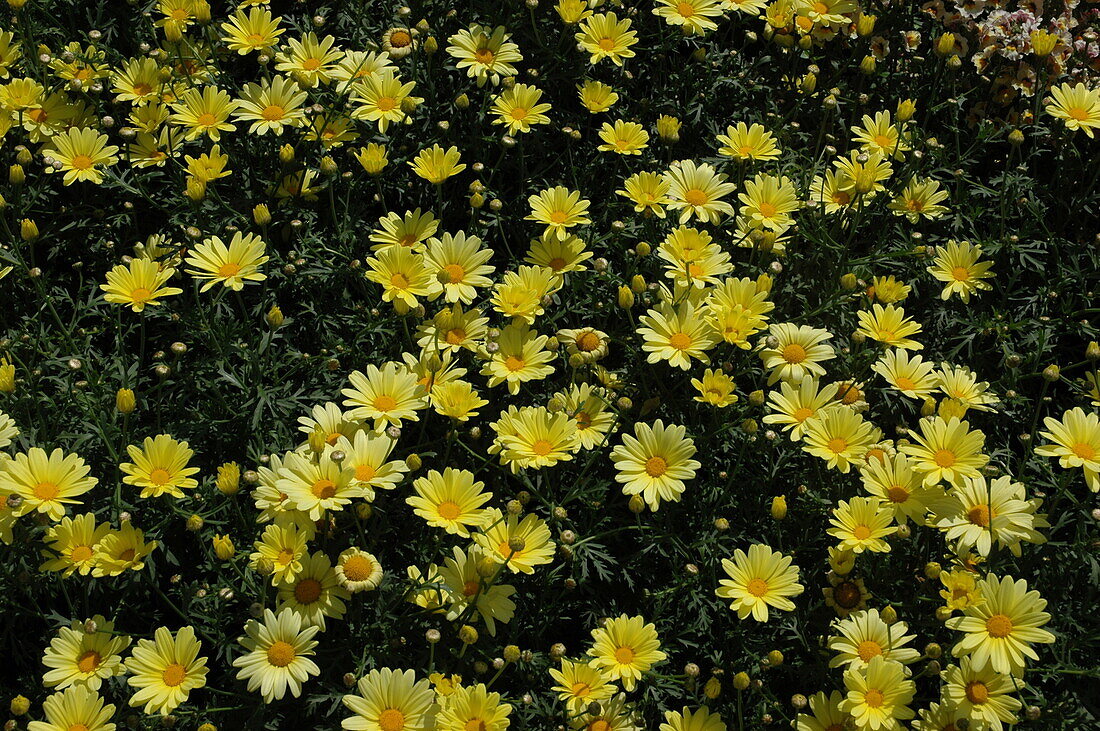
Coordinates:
<point>624,648</point>
<point>759,579</point>
<point>435,164</point>
<point>214,262</point>
<point>596,96</point>
<point>701,719</point>
<point>889,326</point>
<point>623,138</point>
<point>920,199</point>
<point>744,142</point>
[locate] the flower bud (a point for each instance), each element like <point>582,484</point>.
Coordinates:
<point>946,44</point>
<point>932,570</point>
<point>274,317</point>
<point>28,230</point>
<point>194,523</point>
<point>637,284</point>
<point>511,653</point>
<point>636,504</point>
<point>1092,352</point>
<point>1052,373</point>
<point>286,154</point>
<point>20,705</point>
<point>865,24</point>
<point>775,658</point>
<point>413,462</point>
<point>888,615</point>
<point>779,507</point>
<point>16,175</point>
<point>223,547</point>
<point>467,634</point>
<point>626,298</point>
<point>867,65</point>
<point>906,109</point>
<point>849,282</point>
<point>933,650</point>
<point>741,680</point>
<point>125,401</point>
<point>229,478</point>
<point>713,687</point>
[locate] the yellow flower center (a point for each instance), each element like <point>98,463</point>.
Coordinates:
<point>281,654</point>
<point>981,515</point>
<point>229,269</point>
<point>46,491</point>
<point>484,56</point>
<point>160,477</point>
<point>474,724</point>
<point>977,692</point>
<point>998,626</point>
<point>558,217</point>
<point>542,447</point>
<point>1084,451</point>
<point>580,690</point>
<point>960,274</point>
<point>745,150</point>
<point>686,10</point>
<point>385,103</point>
<point>847,594</point>
<point>385,403</point>
<point>174,675</point>
<point>695,197</point>
<point>140,295</point>
<point>801,414</point>
<point>861,532</point>
<point>1078,113</point>
<point>624,655</point>
<point>273,112</point>
<point>470,588</point>
<point>836,445</point>
<point>944,458</point>
<point>323,488</point>
<point>81,162</point>
<point>88,661</point>
<point>767,210</point>
<point>518,113</point>
<point>897,494</point>
<point>399,280</point>
<point>365,472</point>
<point>842,198</point>
<point>38,116</point>
<point>793,354</point>
<point>656,466</point>
<point>311,64</point>
<point>307,591</point>
<point>127,555</point>
<point>584,421</point>
<point>400,39</point>
<point>285,556</point>
<point>868,649</point>
<point>454,273</point>
<point>680,341</point>
<point>254,39</point>
<point>599,725</point>
<point>557,263</point>
<point>514,364</point>
<point>905,384</point>
<point>79,554</point>
<point>606,44</point>
<point>588,341</point>
<point>757,587</point>
<point>358,568</point>
<point>821,8</point>
<point>179,14</point>
<point>455,336</point>
<point>449,510</point>
<point>884,142</point>
<point>876,453</point>
<point>78,727</point>
<point>915,204</point>
<point>206,119</point>
<point>874,698</point>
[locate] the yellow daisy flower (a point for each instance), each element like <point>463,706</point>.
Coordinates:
<point>655,463</point>
<point>159,467</point>
<point>521,545</point>
<point>624,648</point>
<point>759,579</point>
<point>165,670</point>
<point>559,209</point>
<point>878,694</point>
<point>81,152</point>
<point>861,524</point>
<point>605,36</point>
<point>451,500</point>
<point>518,108</point>
<point>436,165</point>
<point>278,654</point>
<point>1075,442</point>
<point>697,190</point>
<point>315,593</point>
<point>232,266</point>
<point>623,138</point>
<point>44,483</point>
<point>84,654</point>
<point>956,264</point>
<point>390,700</point>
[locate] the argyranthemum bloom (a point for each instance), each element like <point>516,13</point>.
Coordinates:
<point>888,289</point>
<point>277,660</point>
<point>487,55</point>
<point>864,635</point>
<point>139,284</point>
<point>520,544</point>
<point>403,275</point>
<point>798,352</point>
<point>605,36</point>
<point>308,60</point>
<point>840,437</point>
<point>889,326</point>
<point>122,550</point>
<point>74,543</point>
<point>768,202</point>
<point>80,151</point>
<point>1001,630</point>
<point>46,483</point>
<point>759,579</point>
<point>357,570</point>
<point>879,136</point>
<point>862,178</point>
<point>614,715</point>
<point>826,714</point>
<point>272,106</point>
<point>518,108</point>
<point>588,407</point>
<point>559,209</point>
<point>647,191</point>
<point>676,335</point>
<point>560,256</point>
<point>453,329</point>
<point>715,388</point>
<point>382,98</point>
<point>623,138</point>
<point>435,164</point>
<point>596,96</point>
<point>961,384</point>
<point>521,356</point>
<point>960,590</point>
<point>451,500</point>
<point>920,199</point>
<point>796,405</point>
<point>281,548</point>
<point>165,670</point>
<point>317,487</point>
<point>399,42</point>
<point>473,707</point>
<point>204,111</point>
<point>533,437</point>
<point>232,266</point>
<point>937,717</point>
<point>1075,442</point>
<point>624,648</point>
<point>1078,106</point>
<point>748,142</point>
<point>388,395</point>
<point>390,700</point>
<point>159,467</point>
<point>845,593</point>
<point>458,265</point>
<point>697,190</point>
<point>458,400</point>
<point>981,695</point>
<point>77,656</point>
<point>519,294</point>
<point>587,343</point>
<point>315,593</point>
<point>579,684</point>
<point>77,708</point>
<point>878,694</point>
<point>900,488</point>
<point>464,585</point>
<point>861,524</point>
<point>946,450</point>
<point>694,17</point>
<point>367,455</point>
<point>976,514</point>
<point>957,265</point>
<point>256,31</point>
<point>909,374</point>
<point>655,462</point>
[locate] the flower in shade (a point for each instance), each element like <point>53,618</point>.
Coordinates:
<point>824,715</point>
<point>686,719</point>
<point>748,142</point>
<point>624,648</point>
<point>75,545</point>
<point>759,579</point>
<point>78,708</point>
<point>485,53</point>
<point>316,592</point>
